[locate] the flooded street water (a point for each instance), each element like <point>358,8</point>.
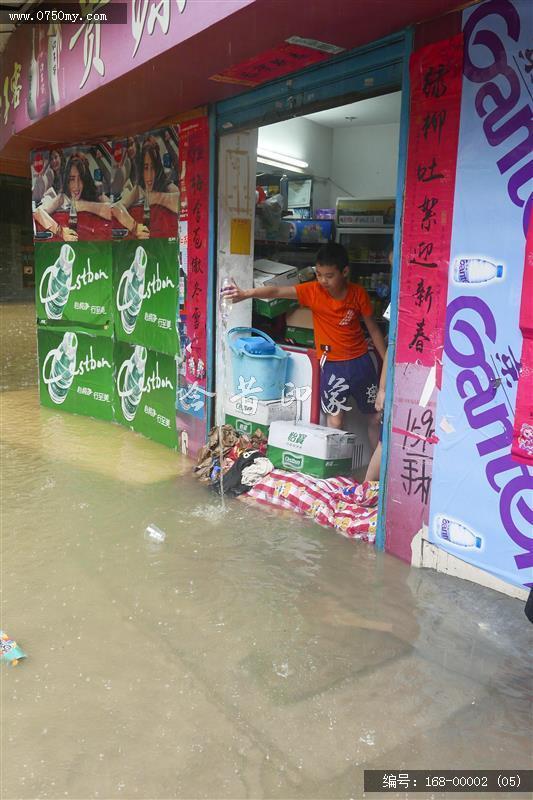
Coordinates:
<point>250,655</point>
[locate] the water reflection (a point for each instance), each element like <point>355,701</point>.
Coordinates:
<point>249,655</point>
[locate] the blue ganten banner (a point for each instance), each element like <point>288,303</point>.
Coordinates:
<point>482,500</point>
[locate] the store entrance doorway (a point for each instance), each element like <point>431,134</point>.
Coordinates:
<point>326,177</point>
<point>333,174</point>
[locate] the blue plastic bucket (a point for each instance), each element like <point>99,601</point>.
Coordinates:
<point>266,371</point>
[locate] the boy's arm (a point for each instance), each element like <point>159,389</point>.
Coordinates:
<point>380,398</point>
<point>262,292</point>
<point>376,335</point>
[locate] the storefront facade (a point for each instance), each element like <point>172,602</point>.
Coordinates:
<point>457,460</point>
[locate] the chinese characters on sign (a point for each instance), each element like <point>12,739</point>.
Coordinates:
<point>417,441</point>
<point>92,57</point>
<point>272,64</point>
<point>11,88</point>
<point>194,190</point>
<point>435,108</point>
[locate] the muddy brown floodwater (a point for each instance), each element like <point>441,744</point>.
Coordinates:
<point>250,655</point>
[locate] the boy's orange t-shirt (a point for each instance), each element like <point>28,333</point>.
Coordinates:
<point>337,322</point>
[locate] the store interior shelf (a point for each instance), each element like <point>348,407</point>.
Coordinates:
<point>296,245</point>
<point>372,263</point>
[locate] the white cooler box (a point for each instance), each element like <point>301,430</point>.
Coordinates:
<point>312,449</point>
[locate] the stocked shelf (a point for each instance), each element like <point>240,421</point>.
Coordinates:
<point>371,263</point>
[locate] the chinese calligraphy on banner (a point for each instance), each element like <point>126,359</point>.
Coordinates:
<point>192,396</point>
<point>429,196</point>
<point>435,107</point>
<point>268,66</point>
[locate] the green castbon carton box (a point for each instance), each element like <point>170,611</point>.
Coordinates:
<point>73,283</point>
<point>273,308</point>
<point>311,449</point>
<point>304,337</point>
<point>76,370</point>
<point>145,293</point>
<point>145,392</point>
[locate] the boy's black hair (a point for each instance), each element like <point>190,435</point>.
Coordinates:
<point>332,255</point>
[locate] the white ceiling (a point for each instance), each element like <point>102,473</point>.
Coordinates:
<point>381,110</point>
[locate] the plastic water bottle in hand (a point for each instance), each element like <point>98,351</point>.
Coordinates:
<point>476,270</point>
<point>226,303</point>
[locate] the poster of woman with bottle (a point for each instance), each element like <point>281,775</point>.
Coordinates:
<point>48,174</point>
<point>75,207</point>
<point>146,186</point>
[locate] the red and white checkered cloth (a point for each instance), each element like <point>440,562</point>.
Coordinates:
<point>354,515</point>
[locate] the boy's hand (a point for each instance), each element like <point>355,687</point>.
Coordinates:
<point>234,293</point>
<point>380,400</point>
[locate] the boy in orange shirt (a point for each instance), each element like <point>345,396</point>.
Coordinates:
<point>338,307</point>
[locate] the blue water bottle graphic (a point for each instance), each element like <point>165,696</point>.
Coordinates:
<point>130,292</point>
<point>476,270</point>
<point>62,362</point>
<point>130,382</point>
<point>56,281</point>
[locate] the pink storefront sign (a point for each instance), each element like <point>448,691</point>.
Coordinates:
<point>49,64</point>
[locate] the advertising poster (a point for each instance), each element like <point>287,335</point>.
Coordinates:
<point>76,371</point>
<point>145,393</point>
<point>145,293</point>
<point>482,498</point>
<point>70,194</point>
<point>74,283</point>
<point>145,185</point>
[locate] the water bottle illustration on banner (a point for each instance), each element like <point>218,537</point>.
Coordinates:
<point>130,382</point>
<point>456,533</point>
<point>476,270</point>
<point>56,281</point>
<point>130,292</point>
<point>63,368</point>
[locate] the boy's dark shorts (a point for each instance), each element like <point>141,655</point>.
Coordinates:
<point>340,379</point>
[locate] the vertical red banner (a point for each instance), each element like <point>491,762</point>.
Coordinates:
<point>436,84</point>
<point>436,80</point>
<point>192,395</point>
<point>194,144</point>
<point>522,449</point>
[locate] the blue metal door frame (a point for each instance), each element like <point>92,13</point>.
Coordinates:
<point>395,290</point>
<point>375,69</point>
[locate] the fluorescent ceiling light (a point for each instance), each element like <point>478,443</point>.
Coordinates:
<point>279,165</point>
<point>281,158</point>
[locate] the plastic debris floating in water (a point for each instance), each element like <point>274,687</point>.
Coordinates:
<point>9,650</point>
<point>154,534</point>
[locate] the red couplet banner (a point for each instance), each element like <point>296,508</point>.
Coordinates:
<point>522,449</point>
<point>194,153</point>
<point>436,80</point>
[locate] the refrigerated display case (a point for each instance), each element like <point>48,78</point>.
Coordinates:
<point>368,253</point>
